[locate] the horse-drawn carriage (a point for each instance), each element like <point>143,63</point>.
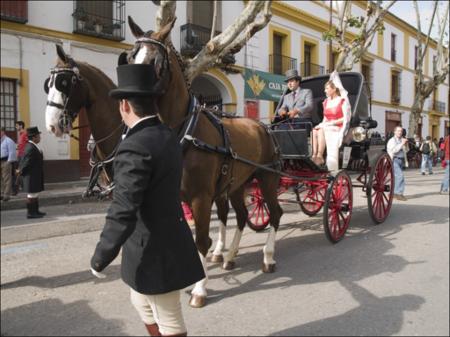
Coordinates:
<point>314,187</point>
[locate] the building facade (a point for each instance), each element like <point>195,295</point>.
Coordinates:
<point>96,33</point>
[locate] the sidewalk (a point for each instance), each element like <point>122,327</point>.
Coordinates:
<point>54,194</point>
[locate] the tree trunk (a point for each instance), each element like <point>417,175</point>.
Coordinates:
<point>414,117</point>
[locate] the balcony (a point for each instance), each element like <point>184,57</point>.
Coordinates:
<point>279,64</point>
<point>311,69</point>
<point>193,39</point>
<point>103,19</point>
<point>16,11</point>
<point>439,106</point>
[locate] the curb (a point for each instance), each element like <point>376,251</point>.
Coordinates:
<point>48,200</point>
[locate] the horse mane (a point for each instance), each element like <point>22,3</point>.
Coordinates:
<point>98,72</point>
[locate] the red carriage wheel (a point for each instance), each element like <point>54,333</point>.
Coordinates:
<point>311,197</point>
<point>337,210</point>
<point>380,188</point>
<point>258,212</point>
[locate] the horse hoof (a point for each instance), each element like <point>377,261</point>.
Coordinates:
<point>217,258</point>
<point>197,301</point>
<point>229,265</point>
<point>268,268</point>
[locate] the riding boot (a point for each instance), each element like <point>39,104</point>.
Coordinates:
<point>37,208</point>
<point>32,209</point>
<point>153,329</point>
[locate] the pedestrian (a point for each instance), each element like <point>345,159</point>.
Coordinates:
<point>31,168</point>
<point>8,157</point>
<point>445,182</point>
<point>396,148</point>
<point>159,256</point>
<point>428,149</point>
<point>22,139</point>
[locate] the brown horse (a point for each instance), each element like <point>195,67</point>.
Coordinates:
<point>76,86</point>
<point>203,175</point>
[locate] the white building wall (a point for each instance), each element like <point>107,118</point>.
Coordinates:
<point>39,55</point>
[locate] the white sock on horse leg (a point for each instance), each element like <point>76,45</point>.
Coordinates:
<point>234,245</point>
<point>269,248</point>
<point>200,286</point>
<point>221,241</point>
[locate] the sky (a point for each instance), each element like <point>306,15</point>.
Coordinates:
<point>405,11</point>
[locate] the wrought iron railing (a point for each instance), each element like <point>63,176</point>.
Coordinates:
<point>279,64</point>
<point>439,106</point>
<point>16,11</point>
<point>105,19</point>
<point>311,69</point>
<point>193,38</point>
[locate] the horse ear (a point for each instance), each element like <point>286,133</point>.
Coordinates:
<point>122,58</point>
<point>61,54</point>
<point>135,29</point>
<point>165,31</point>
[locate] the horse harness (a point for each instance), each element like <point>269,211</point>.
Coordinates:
<point>185,136</point>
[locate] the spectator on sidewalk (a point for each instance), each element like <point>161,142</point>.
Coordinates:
<point>31,168</point>
<point>8,157</point>
<point>445,182</point>
<point>396,148</point>
<point>22,139</point>
<point>428,149</point>
<point>145,219</point>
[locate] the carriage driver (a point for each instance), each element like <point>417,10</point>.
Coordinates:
<point>145,219</point>
<point>297,105</point>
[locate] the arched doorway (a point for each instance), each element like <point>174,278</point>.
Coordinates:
<point>210,91</point>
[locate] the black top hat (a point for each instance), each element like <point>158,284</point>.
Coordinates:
<point>135,80</point>
<point>33,131</point>
<point>292,74</point>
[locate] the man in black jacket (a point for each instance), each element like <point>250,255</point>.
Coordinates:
<point>159,256</point>
<point>31,168</point>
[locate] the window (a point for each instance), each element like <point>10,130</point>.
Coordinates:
<point>202,14</point>
<point>395,87</point>
<point>393,47</point>
<point>278,62</point>
<point>306,69</point>
<point>8,103</point>
<point>16,11</point>
<point>105,19</point>
<point>416,56</point>
<point>367,72</point>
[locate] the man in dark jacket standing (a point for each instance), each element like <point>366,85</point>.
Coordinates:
<point>31,168</point>
<point>159,256</point>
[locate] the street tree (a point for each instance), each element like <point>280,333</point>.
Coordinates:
<point>425,86</point>
<point>351,50</point>
<point>255,16</point>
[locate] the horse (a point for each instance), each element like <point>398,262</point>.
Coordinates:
<point>207,175</point>
<point>77,87</point>
<point>74,87</point>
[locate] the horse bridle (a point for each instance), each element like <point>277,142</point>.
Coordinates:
<point>160,87</point>
<point>67,116</point>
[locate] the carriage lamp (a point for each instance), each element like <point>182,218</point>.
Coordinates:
<point>359,134</point>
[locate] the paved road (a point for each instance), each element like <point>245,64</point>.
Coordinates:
<point>390,279</point>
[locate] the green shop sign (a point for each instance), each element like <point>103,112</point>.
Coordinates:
<point>263,86</point>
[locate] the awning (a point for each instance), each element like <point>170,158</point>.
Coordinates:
<point>260,85</point>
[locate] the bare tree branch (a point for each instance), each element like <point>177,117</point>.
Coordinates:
<point>351,52</point>
<point>214,20</point>
<point>232,39</point>
<point>425,87</point>
<point>165,13</point>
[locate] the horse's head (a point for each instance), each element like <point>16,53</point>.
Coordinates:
<point>64,94</point>
<point>149,48</point>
